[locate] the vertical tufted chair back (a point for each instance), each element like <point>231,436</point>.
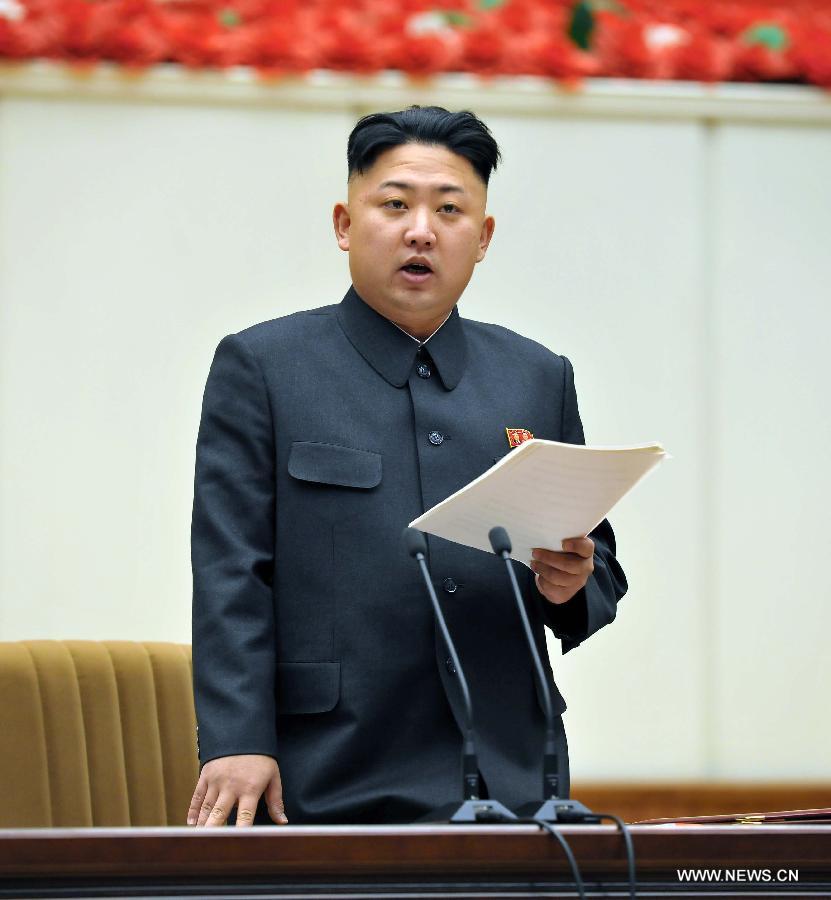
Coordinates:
<point>95,733</point>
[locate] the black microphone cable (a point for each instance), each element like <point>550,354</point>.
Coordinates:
<point>623,828</point>
<point>575,869</point>
<point>565,811</point>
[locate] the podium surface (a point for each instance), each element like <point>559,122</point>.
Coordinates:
<point>494,861</point>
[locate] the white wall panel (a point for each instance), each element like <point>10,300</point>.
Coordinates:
<point>773,426</point>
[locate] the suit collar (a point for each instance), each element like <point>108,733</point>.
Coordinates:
<point>392,353</point>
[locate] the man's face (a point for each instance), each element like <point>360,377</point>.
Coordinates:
<point>414,226</point>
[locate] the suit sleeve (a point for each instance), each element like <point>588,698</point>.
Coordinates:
<point>232,555</point>
<point>595,605</point>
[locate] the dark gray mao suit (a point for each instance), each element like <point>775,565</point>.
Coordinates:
<point>323,434</point>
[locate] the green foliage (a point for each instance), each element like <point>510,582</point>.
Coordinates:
<point>769,35</point>
<point>581,25</point>
<point>457,18</point>
<point>230,18</point>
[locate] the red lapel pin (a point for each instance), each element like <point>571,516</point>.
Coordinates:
<point>517,436</point>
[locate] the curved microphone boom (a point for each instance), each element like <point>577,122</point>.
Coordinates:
<point>472,808</point>
<point>552,807</point>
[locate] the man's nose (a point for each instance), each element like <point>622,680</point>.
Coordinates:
<point>420,231</point>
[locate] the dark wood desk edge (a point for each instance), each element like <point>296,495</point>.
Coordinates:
<point>427,850</point>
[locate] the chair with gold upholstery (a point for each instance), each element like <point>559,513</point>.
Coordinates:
<point>95,733</point>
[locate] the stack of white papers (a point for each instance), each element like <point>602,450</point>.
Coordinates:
<point>541,493</point>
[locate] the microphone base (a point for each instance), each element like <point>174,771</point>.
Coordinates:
<point>566,812</point>
<point>469,812</point>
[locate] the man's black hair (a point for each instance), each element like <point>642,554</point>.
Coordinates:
<point>462,132</point>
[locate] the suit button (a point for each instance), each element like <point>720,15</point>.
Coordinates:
<point>450,667</point>
<point>449,585</point>
<point>423,370</point>
<point>435,438</point>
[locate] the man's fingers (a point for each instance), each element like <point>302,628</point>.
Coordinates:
<point>196,801</point>
<point>552,577</point>
<point>220,810</point>
<point>246,810</point>
<point>582,546</point>
<point>552,592</point>
<point>229,781</point>
<point>575,551</point>
<point>553,559</point>
<point>274,800</point>
<point>560,575</point>
<point>207,805</point>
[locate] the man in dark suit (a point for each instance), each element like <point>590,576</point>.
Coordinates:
<point>323,692</point>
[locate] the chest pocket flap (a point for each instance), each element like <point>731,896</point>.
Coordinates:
<point>333,464</point>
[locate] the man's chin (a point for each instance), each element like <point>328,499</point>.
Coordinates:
<point>422,304</point>
<point>399,303</point>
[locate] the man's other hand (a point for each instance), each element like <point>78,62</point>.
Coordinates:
<point>560,575</point>
<point>240,781</point>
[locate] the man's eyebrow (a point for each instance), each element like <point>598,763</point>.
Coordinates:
<point>406,186</point>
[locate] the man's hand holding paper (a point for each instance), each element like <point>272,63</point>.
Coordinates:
<point>561,574</point>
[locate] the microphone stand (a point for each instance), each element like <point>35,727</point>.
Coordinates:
<point>472,808</point>
<point>552,808</point>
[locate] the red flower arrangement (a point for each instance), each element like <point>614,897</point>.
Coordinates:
<point>737,40</point>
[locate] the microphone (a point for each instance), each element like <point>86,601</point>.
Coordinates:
<point>472,807</point>
<point>552,808</point>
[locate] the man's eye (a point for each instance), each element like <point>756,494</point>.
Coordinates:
<point>394,204</point>
<point>449,208</point>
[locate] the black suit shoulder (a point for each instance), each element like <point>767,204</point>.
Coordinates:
<point>485,337</point>
<point>533,367</point>
<point>303,325</point>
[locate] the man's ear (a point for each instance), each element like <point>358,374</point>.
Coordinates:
<point>341,221</point>
<point>485,236</point>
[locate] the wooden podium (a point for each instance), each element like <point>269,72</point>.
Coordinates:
<point>493,861</point>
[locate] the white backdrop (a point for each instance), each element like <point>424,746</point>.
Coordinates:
<point>672,241</point>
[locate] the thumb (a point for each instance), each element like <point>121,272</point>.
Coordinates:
<point>274,800</point>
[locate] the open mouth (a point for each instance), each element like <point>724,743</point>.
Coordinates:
<point>416,269</point>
